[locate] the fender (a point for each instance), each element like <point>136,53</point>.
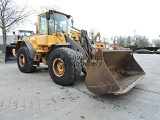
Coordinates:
<point>54,46</point>
<point>26,43</point>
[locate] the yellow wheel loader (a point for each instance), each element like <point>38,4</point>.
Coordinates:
<point>113,72</point>
<point>98,43</point>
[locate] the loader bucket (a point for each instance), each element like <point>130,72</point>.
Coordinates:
<point>113,72</point>
<point>10,54</point>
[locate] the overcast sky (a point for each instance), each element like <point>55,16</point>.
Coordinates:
<point>111,17</point>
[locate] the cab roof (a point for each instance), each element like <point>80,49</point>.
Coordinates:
<point>54,11</point>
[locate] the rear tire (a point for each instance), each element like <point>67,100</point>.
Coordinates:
<point>64,67</point>
<point>25,63</point>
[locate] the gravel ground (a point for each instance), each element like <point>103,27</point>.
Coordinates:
<point>35,96</point>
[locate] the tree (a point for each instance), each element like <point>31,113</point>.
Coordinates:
<point>10,16</point>
<point>114,39</point>
<point>156,42</point>
<point>92,33</point>
<point>121,41</point>
<point>50,7</point>
<point>142,41</point>
<point>129,41</point>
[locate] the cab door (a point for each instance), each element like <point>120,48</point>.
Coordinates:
<point>42,38</point>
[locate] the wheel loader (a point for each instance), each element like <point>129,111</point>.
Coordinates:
<point>9,54</point>
<point>107,72</point>
<point>10,49</point>
<point>98,43</point>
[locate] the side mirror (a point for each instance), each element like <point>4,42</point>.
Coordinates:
<point>47,15</point>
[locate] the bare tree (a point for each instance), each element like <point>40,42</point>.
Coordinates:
<point>92,33</point>
<point>105,40</point>
<point>114,39</point>
<point>10,16</point>
<point>142,41</point>
<point>129,41</point>
<point>156,42</point>
<point>50,7</point>
<point>121,41</point>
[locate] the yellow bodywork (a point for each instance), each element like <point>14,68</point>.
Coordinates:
<point>45,40</point>
<point>41,43</point>
<point>75,35</point>
<point>100,45</point>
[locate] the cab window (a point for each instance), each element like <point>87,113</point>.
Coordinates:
<point>43,24</point>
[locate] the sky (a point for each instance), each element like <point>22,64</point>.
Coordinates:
<point>109,17</point>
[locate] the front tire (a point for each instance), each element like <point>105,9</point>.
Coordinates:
<point>25,63</point>
<point>64,66</point>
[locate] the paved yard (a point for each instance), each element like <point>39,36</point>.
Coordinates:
<point>35,96</point>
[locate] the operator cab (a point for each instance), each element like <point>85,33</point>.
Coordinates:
<point>54,21</point>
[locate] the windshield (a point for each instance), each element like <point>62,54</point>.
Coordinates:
<point>59,23</point>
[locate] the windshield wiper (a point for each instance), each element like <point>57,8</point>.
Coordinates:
<point>59,27</point>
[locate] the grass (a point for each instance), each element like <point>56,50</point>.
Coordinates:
<point>2,54</point>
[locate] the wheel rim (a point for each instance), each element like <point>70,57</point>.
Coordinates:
<point>21,60</point>
<point>58,67</point>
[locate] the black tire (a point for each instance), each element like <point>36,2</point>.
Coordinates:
<point>83,64</point>
<point>70,70</point>
<point>25,66</point>
<point>78,62</point>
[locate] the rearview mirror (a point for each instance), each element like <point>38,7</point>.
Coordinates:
<point>47,15</point>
